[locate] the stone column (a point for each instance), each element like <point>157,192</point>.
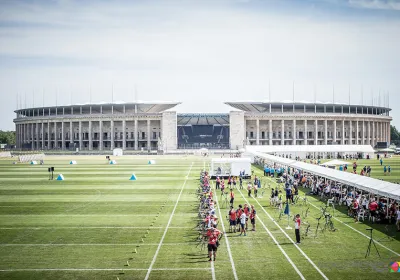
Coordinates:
<point>282,132</point>
<point>71,135</point>
<point>148,135</point>
<point>136,134</point>
<point>112,135</point>
<point>37,135</point>
<point>101,135</point>
<point>124,134</point>
<point>32,138</point>
<point>270,132</point>
<point>351,132</point>
<point>90,136</point>
<point>363,133</point>
<point>48,136</point>
<point>368,133</point>
<point>55,135</point>
<point>357,131</point>
<point>381,134</point>
<point>388,133</point>
<point>326,132</point>
<point>305,132</point>
<point>373,134</point>
<point>257,132</point>
<point>343,132</point>
<point>334,132</point>
<point>42,132</point>
<point>316,132</point>
<point>294,133</point>
<point>62,136</point>
<point>80,136</point>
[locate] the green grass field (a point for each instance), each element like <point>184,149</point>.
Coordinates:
<point>99,225</point>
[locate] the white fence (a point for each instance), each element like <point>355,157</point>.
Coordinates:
<point>28,158</point>
<point>5,154</point>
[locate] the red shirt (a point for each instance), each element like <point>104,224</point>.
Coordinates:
<point>239,213</point>
<point>232,214</point>
<point>212,237</point>
<point>246,211</point>
<point>297,223</point>
<point>373,206</point>
<point>232,194</point>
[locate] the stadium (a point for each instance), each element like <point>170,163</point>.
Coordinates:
<point>154,126</point>
<point>280,190</point>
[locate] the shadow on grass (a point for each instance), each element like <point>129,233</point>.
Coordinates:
<point>388,229</point>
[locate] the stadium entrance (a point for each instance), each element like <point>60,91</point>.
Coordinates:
<point>209,131</point>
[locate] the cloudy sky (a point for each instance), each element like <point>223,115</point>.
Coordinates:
<point>200,53</point>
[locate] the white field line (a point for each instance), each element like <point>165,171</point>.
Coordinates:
<point>226,238</point>
<point>277,243</point>
<point>351,228</point>
<point>99,269</point>
<point>166,229</point>
<point>359,232</point>
<point>291,240</point>
<point>213,271</point>
<point>85,244</point>
<point>212,262</point>
<point>94,227</point>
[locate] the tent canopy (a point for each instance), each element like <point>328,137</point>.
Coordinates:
<point>335,162</point>
<point>311,148</point>
<point>368,184</point>
<point>230,166</point>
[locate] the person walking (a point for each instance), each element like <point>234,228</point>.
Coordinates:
<point>297,223</point>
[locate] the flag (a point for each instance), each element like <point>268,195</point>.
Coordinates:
<point>287,211</point>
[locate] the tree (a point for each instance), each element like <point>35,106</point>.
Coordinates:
<point>394,135</point>
<point>7,137</point>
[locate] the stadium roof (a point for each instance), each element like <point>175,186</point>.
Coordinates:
<point>368,184</point>
<point>260,107</point>
<point>272,149</point>
<point>202,119</point>
<point>142,106</point>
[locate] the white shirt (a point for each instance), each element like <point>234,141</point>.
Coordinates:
<point>398,215</point>
<point>243,218</point>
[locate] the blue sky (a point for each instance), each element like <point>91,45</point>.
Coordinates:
<point>200,53</point>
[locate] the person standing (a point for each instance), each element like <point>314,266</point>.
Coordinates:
<point>384,170</point>
<point>243,223</point>
<point>249,188</point>
<point>253,218</point>
<point>389,170</point>
<point>232,195</point>
<point>212,243</point>
<point>297,223</point>
<point>398,219</point>
<point>217,183</point>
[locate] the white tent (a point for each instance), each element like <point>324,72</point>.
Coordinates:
<point>313,150</point>
<point>230,166</point>
<point>117,152</point>
<point>368,184</point>
<point>335,162</point>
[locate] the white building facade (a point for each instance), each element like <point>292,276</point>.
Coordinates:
<point>281,123</point>
<point>130,126</point>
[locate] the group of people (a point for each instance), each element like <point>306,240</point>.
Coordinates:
<point>209,225</point>
<point>238,218</point>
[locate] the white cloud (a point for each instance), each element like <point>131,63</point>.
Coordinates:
<point>376,4</point>
<point>200,55</point>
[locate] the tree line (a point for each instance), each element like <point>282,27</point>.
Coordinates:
<point>394,135</point>
<point>7,137</point>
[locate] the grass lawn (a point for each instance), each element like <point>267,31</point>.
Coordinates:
<point>97,224</point>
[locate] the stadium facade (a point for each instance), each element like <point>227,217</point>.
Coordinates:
<point>153,126</point>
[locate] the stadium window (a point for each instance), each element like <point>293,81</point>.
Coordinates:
<point>143,136</point>
<point>262,134</point>
<point>251,134</point>
<point>154,135</point>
